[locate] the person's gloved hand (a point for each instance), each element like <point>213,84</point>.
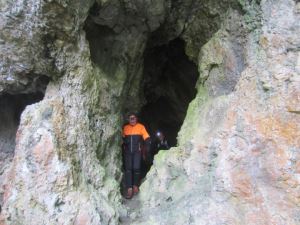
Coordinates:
<point>147,144</point>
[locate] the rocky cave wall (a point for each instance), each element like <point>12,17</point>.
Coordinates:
<point>11,107</point>
<point>68,145</point>
<point>238,148</point>
<point>238,153</point>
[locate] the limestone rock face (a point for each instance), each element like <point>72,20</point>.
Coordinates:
<point>66,167</point>
<point>35,36</point>
<point>67,160</point>
<point>56,176</point>
<point>237,159</point>
<point>11,107</point>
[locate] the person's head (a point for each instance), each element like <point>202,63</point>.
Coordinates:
<point>160,135</point>
<point>132,118</point>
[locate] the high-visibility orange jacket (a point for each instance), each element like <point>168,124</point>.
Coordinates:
<point>133,136</point>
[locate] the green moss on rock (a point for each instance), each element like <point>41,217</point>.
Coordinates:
<point>191,122</point>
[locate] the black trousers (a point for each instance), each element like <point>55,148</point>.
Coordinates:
<point>132,161</point>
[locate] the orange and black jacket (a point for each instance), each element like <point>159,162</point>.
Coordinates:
<point>133,137</point>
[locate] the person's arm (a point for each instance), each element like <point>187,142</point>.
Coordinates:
<point>123,139</point>
<point>123,144</point>
<point>144,133</point>
<point>146,137</point>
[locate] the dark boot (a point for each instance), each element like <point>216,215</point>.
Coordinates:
<point>135,189</point>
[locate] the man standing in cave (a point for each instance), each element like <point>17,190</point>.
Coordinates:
<point>134,136</point>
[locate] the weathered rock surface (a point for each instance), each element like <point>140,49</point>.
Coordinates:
<point>67,167</point>
<point>11,107</point>
<point>238,149</point>
<point>35,36</point>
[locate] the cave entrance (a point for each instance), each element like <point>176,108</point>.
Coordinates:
<point>169,87</point>
<point>11,108</point>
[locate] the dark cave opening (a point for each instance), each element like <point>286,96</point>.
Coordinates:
<point>169,87</point>
<point>11,108</point>
<point>169,76</point>
<point>166,85</point>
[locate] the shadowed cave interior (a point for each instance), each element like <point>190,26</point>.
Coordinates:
<point>169,86</point>
<point>168,78</point>
<point>168,82</point>
<point>11,107</point>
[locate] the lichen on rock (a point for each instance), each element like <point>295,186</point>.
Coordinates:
<point>240,150</point>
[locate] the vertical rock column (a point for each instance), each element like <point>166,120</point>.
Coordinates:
<point>237,160</point>
<point>56,176</point>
